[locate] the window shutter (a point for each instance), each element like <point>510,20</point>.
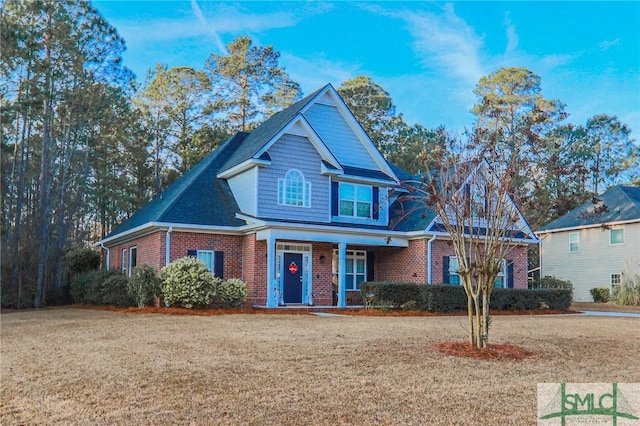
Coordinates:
<point>376,202</point>
<point>370,265</point>
<point>509,273</point>
<point>334,198</point>
<point>192,253</point>
<point>445,269</point>
<point>218,264</point>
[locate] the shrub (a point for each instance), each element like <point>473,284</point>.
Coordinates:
<point>231,293</point>
<point>392,295</point>
<point>187,282</point>
<point>80,259</point>
<point>444,298</point>
<point>511,299</point>
<point>600,294</point>
<point>553,282</point>
<point>143,284</point>
<point>101,287</point>
<point>628,291</point>
<point>114,290</point>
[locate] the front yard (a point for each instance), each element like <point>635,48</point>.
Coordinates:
<point>78,366</point>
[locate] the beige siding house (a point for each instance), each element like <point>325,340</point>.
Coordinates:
<point>594,244</point>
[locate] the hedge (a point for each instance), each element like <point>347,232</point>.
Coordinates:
<point>449,298</point>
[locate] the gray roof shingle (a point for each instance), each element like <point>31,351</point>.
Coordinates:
<point>622,202</point>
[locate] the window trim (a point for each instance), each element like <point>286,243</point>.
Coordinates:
<point>453,260</point>
<point>577,243</point>
<point>282,190</point>
<point>123,260</point>
<point>611,234</point>
<point>352,256</point>
<point>356,189</point>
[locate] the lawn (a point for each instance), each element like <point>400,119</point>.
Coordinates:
<point>80,366</point>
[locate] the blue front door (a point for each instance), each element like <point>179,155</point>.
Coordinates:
<point>292,283</point>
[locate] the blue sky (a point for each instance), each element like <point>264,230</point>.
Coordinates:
<point>428,55</point>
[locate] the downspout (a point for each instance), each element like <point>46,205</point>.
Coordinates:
<point>108,257</point>
<point>429,259</point>
<point>167,246</point>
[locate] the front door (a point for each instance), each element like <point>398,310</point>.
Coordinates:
<point>292,283</point>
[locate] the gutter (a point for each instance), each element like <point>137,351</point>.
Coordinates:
<point>167,246</point>
<point>108,259</point>
<point>429,259</point>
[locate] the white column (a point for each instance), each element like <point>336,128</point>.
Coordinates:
<point>342,274</point>
<point>272,300</point>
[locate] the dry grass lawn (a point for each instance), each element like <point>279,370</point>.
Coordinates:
<point>78,366</point>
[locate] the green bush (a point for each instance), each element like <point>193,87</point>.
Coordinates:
<point>451,298</point>
<point>231,293</point>
<point>392,295</point>
<point>101,287</point>
<point>444,298</point>
<point>143,284</point>
<point>79,259</point>
<point>553,282</point>
<point>628,291</point>
<point>187,282</point>
<point>600,294</point>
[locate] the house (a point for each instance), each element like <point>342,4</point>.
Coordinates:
<point>303,209</point>
<point>594,244</point>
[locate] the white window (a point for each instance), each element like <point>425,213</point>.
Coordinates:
<point>355,269</point>
<point>124,260</point>
<point>454,278</point>
<point>501,279</point>
<point>294,190</point>
<point>574,242</point>
<point>615,279</point>
<point>133,258</point>
<point>616,236</point>
<point>355,200</point>
<point>206,256</point>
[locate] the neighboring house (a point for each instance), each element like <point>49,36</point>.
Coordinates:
<point>302,209</point>
<point>594,244</point>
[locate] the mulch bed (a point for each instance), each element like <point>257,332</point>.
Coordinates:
<point>306,311</point>
<point>495,351</point>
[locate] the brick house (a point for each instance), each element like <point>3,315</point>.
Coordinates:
<point>303,209</point>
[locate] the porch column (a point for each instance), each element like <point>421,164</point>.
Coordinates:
<point>342,274</point>
<point>272,300</point>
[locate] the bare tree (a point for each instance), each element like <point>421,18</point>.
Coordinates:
<point>475,207</point>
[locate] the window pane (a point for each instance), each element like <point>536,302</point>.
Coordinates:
<point>349,266</point>
<point>359,280</point>
<point>454,279</point>
<point>453,264</point>
<point>364,209</point>
<point>499,282</point>
<point>360,266</point>
<point>346,208</point>
<point>347,191</point>
<point>616,236</point>
<point>365,194</point>
<point>207,258</point>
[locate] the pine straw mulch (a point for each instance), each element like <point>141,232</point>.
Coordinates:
<point>495,351</point>
<point>371,312</point>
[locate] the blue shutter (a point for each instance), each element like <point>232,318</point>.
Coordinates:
<point>218,264</point>
<point>370,265</point>
<point>376,203</point>
<point>509,273</point>
<point>445,269</point>
<point>334,198</point>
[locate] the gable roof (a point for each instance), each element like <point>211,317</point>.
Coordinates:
<point>266,131</point>
<point>212,203</point>
<point>622,202</point>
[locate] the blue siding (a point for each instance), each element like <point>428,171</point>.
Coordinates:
<point>293,152</point>
<point>336,133</point>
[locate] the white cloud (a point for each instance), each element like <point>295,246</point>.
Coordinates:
<point>316,71</point>
<point>512,36</point>
<point>608,44</point>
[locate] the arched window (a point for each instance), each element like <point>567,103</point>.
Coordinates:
<point>293,190</point>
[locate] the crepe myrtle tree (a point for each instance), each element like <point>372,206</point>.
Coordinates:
<point>475,207</point>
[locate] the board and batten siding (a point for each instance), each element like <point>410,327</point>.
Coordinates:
<point>243,187</point>
<point>293,152</point>
<point>339,137</point>
<point>595,261</point>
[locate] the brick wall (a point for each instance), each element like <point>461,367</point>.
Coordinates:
<point>231,245</point>
<point>402,264</point>
<point>150,251</point>
<point>322,274</point>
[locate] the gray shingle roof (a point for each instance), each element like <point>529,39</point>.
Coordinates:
<point>623,204</point>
